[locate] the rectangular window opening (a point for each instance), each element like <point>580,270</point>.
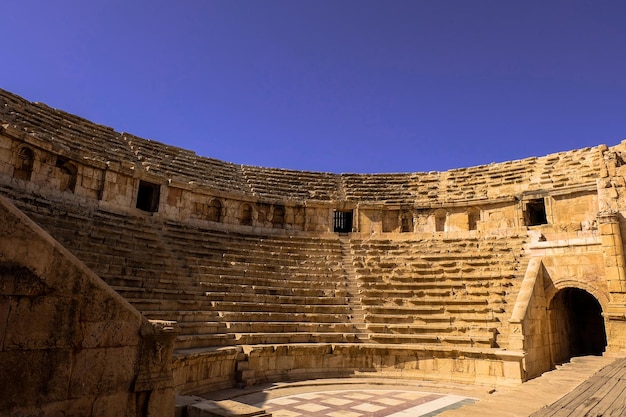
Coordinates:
<point>148,196</point>
<point>535,213</point>
<point>342,221</point>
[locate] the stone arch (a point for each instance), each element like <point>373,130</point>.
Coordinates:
<point>245,214</point>
<point>473,217</point>
<point>24,163</point>
<point>278,216</point>
<point>576,324</point>
<point>214,212</point>
<point>562,283</point>
<point>441,218</point>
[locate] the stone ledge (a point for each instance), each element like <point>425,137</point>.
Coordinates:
<point>225,408</point>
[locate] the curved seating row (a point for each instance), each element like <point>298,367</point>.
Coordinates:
<point>238,289</point>
<point>87,141</point>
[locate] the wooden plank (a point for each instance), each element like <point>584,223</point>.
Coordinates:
<point>617,410</point>
<point>613,400</point>
<point>581,394</point>
<point>593,396</point>
<point>604,392</point>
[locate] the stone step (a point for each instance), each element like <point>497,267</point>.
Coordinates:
<point>262,327</point>
<point>268,280</point>
<point>259,338</point>
<point>265,289</point>
<point>433,328</point>
<point>333,300</point>
<point>467,341</point>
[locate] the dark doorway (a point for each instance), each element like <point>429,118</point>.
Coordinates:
<point>535,213</point>
<point>577,325</point>
<point>148,196</point>
<point>342,222</point>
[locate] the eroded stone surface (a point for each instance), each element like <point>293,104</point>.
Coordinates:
<point>461,275</point>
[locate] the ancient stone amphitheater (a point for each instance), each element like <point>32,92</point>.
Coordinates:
<point>131,270</point>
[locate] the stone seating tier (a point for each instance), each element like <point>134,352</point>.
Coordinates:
<point>84,141</point>
<point>185,166</point>
<point>159,267</point>
<point>76,137</point>
<point>389,188</point>
<point>280,184</point>
<point>416,291</point>
<point>63,130</point>
<point>401,282</point>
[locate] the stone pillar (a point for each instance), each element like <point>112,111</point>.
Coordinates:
<point>614,266</point>
<point>613,249</point>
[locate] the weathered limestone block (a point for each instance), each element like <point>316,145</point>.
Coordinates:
<point>195,371</point>
<point>34,377</point>
<point>155,370</point>
<point>613,249</point>
<point>464,284</point>
<point>59,350</point>
<point>102,371</point>
<point>47,324</point>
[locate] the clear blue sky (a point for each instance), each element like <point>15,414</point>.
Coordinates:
<point>339,86</point>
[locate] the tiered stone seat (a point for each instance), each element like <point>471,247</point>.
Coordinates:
<point>68,132</point>
<point>267,289</point>
<point>257,305</point>
<point>480,182</point>
<point>292,185</point>
<point>231,288</point>
<point>557,168</point>
<point>451,291</point>
<point>222,288</point>
<point>425,186</point>
<point>390,188</point>
<point>185,166</point>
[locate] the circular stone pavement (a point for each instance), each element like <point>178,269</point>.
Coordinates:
<point>363,403</point>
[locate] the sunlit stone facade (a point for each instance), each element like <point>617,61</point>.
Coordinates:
<point>132,270</point>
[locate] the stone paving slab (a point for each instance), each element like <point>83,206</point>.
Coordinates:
<point>224,408</point>
<point>363,403</point>
<point>327,398</point>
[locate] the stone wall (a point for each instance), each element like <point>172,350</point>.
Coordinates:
<point>74,156</point>
<point>298,362</point>
<point>236,252</point>
<point>68,343</point>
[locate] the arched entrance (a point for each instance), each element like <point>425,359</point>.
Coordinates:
<point>576,325</point>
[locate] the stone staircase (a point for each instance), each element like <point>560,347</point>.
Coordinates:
<point>229,289</point>
<point>353,291</point>
<point>449,292</point>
